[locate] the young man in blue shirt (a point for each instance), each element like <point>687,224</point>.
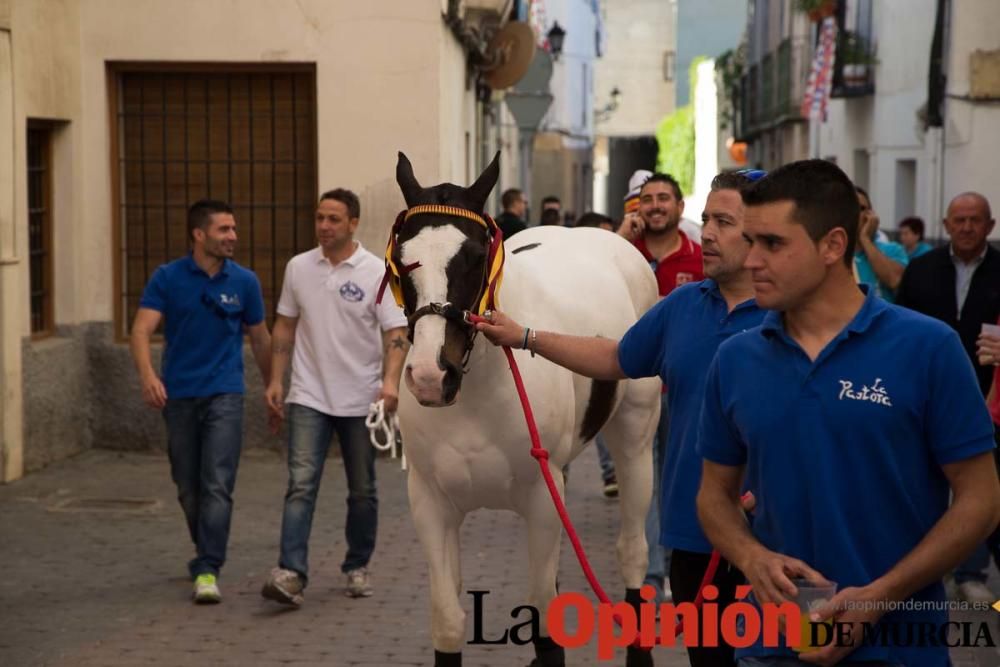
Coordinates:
<point>207,301</point>
<point>878,263</point>
<point>852,420</point>
<point>676,340</point>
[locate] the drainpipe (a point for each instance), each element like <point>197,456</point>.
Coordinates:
<point>937,83</point>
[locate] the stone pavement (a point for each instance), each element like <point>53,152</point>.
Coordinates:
<point>93,551</point>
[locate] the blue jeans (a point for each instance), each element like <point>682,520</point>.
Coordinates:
<point>659,556</point>
<point>604,458</point>
<point>204,439</point>
<point>975,566</point>
<point>787,661</point>
<point>309,435</point>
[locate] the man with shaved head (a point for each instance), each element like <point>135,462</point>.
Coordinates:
<point>960,284</point>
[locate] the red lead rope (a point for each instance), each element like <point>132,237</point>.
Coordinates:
<point>542,455</point>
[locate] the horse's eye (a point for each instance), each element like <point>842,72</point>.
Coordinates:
<point>475,253</point>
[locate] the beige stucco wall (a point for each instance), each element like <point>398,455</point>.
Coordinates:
<point>36,83</point>
<point>11,463</point>
<point>638,34</point>
<point>389,76</point>
<point>379,79</point>
<point>47,87</point>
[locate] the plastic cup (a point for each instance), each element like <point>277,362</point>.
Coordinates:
<point>810,598</point>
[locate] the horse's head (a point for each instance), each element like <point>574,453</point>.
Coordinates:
<point>442,251</point>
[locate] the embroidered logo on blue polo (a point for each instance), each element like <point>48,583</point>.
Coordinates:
<point>351,292</point>
<point>874,394</point>
<point>229,299</point>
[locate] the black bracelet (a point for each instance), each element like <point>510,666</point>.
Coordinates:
<point>524,345</point>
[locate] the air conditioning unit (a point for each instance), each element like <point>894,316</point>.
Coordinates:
<point>984,75</point>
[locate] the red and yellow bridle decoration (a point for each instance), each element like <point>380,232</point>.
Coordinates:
<point>493,275</point>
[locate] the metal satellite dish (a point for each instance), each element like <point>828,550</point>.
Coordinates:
<point>511,52</point>
<point>530,99</point>
<point>536,78</point>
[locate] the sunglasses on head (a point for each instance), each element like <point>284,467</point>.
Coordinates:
<point>752,174</point>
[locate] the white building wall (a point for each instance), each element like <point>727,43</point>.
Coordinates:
<point>706,138</point>
<point>867,136</point>
<point>572,83</point>
<point>639,33</point>
<point>876,139</point>
<point>972,130</point>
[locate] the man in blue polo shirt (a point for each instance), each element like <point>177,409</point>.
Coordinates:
<point>206,300</point>
<point>852,419</point>
<point>676,340</point>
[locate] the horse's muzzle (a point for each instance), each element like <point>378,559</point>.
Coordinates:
<point>434,386</point>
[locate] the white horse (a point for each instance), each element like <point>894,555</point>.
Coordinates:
<point>470,449</point>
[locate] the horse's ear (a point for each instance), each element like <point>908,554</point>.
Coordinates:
<point>480,190</point>
<point>407,181</point>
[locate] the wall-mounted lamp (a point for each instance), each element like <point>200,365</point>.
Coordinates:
<point>556,35</point>
<point>602,114</point>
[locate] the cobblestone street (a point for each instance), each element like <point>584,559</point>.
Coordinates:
<point>88,583</point>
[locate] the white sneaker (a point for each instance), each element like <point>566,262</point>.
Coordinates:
<point>975,591</point>
<point>206,590</point>
<point>359,584</point>
<point>284,586</point>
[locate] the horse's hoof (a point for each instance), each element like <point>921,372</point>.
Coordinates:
<point>447,659</point>
<point>548,653</point>
<point>637,657</point>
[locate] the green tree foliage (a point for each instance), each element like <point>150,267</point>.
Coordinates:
<point>675,138</point>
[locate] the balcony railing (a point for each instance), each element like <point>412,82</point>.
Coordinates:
<point>770,92</point>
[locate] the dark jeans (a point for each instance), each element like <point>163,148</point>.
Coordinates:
<point>993,542</point>
<point>659,555</point>
<point>204,439</point>
<point>687,568</point>
<point>783,661</point>
<point>976,566</point>
<point>309,435</point>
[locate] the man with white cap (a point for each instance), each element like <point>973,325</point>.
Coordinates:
<point>655,229</point>
<point>691,228</point>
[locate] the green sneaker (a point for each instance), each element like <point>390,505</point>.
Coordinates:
<point>206,591</point>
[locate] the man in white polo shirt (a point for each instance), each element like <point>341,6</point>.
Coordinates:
<point>340,365</point>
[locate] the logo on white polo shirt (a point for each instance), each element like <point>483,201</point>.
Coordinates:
<point>351,292</point>
<point>873,394</point>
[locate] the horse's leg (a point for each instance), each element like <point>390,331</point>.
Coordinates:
<point>544,531</point>
<point>437,522</point>
<point>629,436</point>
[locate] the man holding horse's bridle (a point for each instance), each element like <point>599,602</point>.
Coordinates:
<point>675,340</point>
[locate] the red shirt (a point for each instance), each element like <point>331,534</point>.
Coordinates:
<point>679,267</point>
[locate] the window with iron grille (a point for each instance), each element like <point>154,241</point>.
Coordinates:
<point>246,136</point>
<point>40,228</point>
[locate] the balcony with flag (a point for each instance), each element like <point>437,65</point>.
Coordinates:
<point>855,59</point>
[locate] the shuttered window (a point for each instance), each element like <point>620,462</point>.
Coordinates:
<point>245,136</point>
<point>40,228</point>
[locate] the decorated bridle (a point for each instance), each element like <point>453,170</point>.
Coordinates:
<point>486,299</point>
